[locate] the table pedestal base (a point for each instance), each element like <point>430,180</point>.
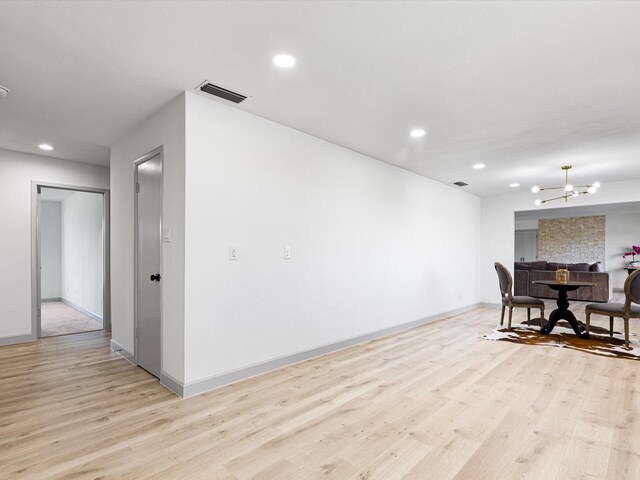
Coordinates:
<point>563,313</point>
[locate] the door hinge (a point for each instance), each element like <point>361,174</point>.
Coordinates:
<point>137,187</point>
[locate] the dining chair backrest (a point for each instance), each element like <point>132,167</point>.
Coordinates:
<point>632,288</point>
<point>504,279</point>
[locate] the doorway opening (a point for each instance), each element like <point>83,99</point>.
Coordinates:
<point>71,258</point>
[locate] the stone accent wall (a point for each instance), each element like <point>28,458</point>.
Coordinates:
<point>572,239</point>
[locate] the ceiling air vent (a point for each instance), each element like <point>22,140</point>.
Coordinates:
<point>220,92</point>
<point>460,183</point>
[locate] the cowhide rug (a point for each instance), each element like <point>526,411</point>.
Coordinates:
<point>599,343</point>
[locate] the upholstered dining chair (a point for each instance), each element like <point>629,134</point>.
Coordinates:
<point>509,301</point>
<point>621,310</point>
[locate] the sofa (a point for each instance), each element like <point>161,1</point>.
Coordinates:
<point>525,273</point>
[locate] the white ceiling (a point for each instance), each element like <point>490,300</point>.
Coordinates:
<point>60,194</point>
<point>55,194</point>
<point>523,87</point>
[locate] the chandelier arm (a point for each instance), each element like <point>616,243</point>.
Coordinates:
<point>552,199</point>
<point>551,188</point>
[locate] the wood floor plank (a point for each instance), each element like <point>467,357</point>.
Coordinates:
<point>435,401</point>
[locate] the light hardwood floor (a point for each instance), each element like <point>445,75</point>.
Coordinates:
<point>434,402</point>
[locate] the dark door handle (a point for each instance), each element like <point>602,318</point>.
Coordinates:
<point>155,277</point>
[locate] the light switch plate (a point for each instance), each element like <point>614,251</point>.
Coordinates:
<point>287,253</point>
<point>233,253</point>
<point>166,237</point>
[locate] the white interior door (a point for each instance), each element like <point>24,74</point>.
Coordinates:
<point>526,246</point>
<point>148,249</point>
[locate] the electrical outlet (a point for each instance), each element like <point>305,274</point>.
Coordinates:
<point>233,253</point>
<point>287,253</point>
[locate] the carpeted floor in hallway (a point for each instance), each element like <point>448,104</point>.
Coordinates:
<point>60,319</point>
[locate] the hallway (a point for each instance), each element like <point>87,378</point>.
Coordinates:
<point>59,318</point>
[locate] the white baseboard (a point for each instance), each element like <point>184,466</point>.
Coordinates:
<point>95,316</point>
<point>17,339</point>
<point>52,299</point>
<point>117,348</point>
<point>172,384</point>
<point>217,381</point>
<point>490,305</point>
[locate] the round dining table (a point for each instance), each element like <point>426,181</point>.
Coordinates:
<point>563,312</point>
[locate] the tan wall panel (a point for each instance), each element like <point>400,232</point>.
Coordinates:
<point>572,240</point>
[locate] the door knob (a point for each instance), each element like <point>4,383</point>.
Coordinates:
<point>155,277</point>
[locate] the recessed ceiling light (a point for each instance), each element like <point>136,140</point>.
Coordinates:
<point>284,61</point>
<point>418,132</point>
<point>514,185</point>
<point>479,166</point>
<point>45,146</point>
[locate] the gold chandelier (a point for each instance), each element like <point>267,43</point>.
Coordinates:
<point>569,190</point>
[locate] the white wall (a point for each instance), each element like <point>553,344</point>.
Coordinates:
<point>527,224</point>
<point>82,251</point>
<point>17,170</point>
<point>373,245</point>
<point>498,225</point>
<point>623,231</point>
<point>51,250</point>
<point>167,129</point>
